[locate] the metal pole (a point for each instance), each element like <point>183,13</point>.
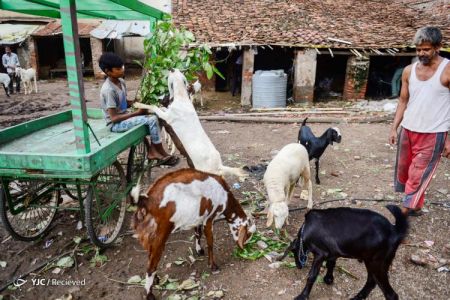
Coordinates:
<point>74,75</point>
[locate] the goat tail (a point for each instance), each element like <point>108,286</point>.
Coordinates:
<point>401,222</point>
<point>304,121</point>
<point>239,172</point>
<point>136,191</point>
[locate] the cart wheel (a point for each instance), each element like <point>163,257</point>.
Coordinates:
<point>106,205</point>
<point>71,191</point>
<point>31,209</point>
<point>136,161</point>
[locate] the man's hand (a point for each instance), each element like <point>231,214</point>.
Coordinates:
<point>393,137</point>
<point>446,152</point>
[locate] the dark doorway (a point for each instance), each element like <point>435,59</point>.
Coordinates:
<point>330,77</point>
<point>385,76</point>
<point>222,58</point>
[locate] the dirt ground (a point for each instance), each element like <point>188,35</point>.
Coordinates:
<point>359,171</point>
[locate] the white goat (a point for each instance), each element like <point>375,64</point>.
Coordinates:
<point>282,174</point>
<point>183,118</point>
<point>26,75</point>
<point>196,92</point>
<point>5,80</point>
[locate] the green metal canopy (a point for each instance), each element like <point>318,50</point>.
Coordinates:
<point>68,11</point>
<point>105,9</point>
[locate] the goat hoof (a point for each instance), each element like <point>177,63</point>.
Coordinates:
<point>201,252</point>
<point>300,297</point>
<point>156,280</point>
<point>328,279</point>
<point>317,181</point>
<point>150,296</point>
<point>214,268</point>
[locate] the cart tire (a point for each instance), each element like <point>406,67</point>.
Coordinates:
<point>106,206</point>
<point>34,220</point>
<point>136,161</point>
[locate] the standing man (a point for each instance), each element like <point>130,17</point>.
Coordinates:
<point>423,112</point>
<point>237,76</point>
<point>11,62</point>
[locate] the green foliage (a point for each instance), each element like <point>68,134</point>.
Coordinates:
<point>167,48</point>
<point>251,250</point>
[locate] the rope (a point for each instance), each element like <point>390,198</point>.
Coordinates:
<point>445,204</point>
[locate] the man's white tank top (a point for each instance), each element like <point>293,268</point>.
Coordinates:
<point>428,108</point>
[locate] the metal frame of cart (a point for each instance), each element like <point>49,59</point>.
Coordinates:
<point>71,152</point>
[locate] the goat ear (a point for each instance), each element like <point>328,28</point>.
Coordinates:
<point>269,218</point>
<point>330,137</point>
<point>242,236</point>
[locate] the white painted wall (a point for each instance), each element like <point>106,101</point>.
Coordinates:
<point>163,5</point>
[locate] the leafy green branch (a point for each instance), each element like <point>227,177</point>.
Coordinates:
<point>168,48</point>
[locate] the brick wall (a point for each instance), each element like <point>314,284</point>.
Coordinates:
<point>356,77</point>
<point>33,61</point>
<point>97,51</point>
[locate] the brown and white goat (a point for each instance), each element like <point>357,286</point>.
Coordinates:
<point>182,200</point>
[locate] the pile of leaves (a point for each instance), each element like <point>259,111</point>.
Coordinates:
<point>168,48</point>
<point>253,251</point>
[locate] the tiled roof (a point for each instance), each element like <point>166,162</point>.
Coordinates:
<point>54,28</point>
<point>309,23</point>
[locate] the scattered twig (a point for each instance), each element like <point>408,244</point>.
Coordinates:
<point>179,241</point>
<point>40,266</point>
<point>340,160</point>
<point>343,270</point>
<point>7,239</point>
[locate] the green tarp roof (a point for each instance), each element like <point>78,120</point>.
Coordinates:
<point>105,9</point>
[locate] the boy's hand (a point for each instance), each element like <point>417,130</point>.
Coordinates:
<point>142,111</point>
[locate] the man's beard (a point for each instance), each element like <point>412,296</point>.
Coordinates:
<point>425,60</point>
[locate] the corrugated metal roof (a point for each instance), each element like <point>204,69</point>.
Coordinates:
<point>55,28</point>
<point>113,29</point>
<point>15,33</point>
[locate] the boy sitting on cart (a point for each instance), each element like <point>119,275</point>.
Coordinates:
<point>113,97</point>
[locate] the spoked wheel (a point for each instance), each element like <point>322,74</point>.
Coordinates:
<point>72,192</point>
<point>136,161</point>
<point>27,207</point>
<point>106,205</point>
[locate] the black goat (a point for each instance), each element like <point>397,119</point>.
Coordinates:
<point>352,233</point>
<point>316,146</point>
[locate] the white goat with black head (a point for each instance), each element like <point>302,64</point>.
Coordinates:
<point>182,117</point>
<point>316,145</point>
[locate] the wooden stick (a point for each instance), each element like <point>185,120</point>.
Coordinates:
<point>312,112</point>
<point>343,270</point>
<point>270,120</point>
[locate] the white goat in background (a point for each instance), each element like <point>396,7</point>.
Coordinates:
<point>5,80</point>
<point>26,75</point>
<point>195,92</point>
<point>183,119</point>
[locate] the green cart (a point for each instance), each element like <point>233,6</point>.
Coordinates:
<point>71,152</point>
